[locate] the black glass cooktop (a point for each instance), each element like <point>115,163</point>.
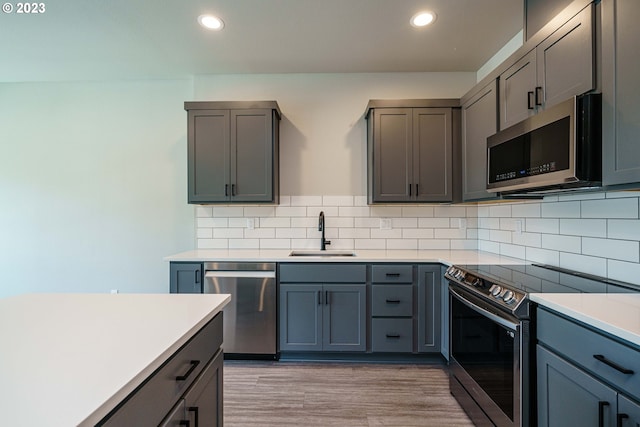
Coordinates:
<point>537,278</point>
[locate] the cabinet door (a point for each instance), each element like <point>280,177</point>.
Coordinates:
<point>432,155</point>
<point>628,412</point>
<point>251,155</point>
<point>185,278</point>
<point>344,318</point>
<point>429,299</point>
<point>208,156</point>
<point>517,100</point>
<point>620,92</point>
<point>301,308</point>
<point>567,396</point>
<point>479,121</point>
<point>392,151</point>
<point>203,401</point>
<point>565,61</point>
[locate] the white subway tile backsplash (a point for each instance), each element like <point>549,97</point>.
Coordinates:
<point>561,210</point>
<point>542,225</point>
<point>526,210</point>
<point>627,229</point>
<point>291,211</point>
<point>212,222</point>
<point>610,208</point>
<point>404,222</point>
<point>585,264</point>
<point>353,211</point>
<point>624,250</point>
<point>584,227</point>
<point>433,222</point>
<point>427,244</point>
<point>402,244</point>
<point>542,256</point>
<point>499,211</point>
<point>623,271</point>
<point>562,243</point>
<point>204,211</point>
<point>594,232</point>
<point>417,211</point>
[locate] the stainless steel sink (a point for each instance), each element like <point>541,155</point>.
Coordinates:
<point>322,253</point>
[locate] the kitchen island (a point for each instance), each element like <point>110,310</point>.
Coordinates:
<point>71,359</point>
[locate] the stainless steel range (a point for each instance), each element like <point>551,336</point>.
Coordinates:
<point>491,337</point>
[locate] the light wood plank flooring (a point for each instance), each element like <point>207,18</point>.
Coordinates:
<point>338,394</point>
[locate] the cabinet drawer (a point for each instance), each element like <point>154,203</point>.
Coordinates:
<point>392,335</point>
<point>164,389</point>
<point>581,344</point>
<point>392,300</point>
<point>323,273</point>
<point>392,274</point>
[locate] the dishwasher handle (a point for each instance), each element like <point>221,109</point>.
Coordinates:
<point>263,274</point>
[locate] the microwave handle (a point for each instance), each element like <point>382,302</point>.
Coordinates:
<point>494,317</point>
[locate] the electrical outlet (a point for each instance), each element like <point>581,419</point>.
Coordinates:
<point>385,223</point>
<point>462,223</point>
<point>114,291</point>
<point>251,223</point>
<point>518,227</point>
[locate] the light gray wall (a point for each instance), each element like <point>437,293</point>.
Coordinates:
<point>323,133</point>
<point>92,185</point>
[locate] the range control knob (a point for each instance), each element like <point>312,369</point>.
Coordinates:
<point>459,274</point>
<point>509,297</point>
<point>478,283</point>
<point>495,290</point>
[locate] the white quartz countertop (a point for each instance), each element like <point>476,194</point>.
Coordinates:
<point>68,359</point>
<point>448,257</point>
<point>617,314</point>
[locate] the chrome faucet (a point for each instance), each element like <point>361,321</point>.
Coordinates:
<point>323,242</point>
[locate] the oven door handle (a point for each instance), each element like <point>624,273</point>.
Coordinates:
<point>494,317</point>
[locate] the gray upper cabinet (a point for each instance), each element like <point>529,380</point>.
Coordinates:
<point>620,92</point>
<point>561,66</point>
<point>410,152</point>
<point>479,121</point>
<point>233,152</point>
<point>539,12</point>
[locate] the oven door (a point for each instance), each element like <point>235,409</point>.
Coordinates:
<point>485,351</point>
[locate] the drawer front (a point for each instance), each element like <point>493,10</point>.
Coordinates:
<point>591,350</point>
<point>323,273</point>
<point>392,300</point>
<point>149,404</point>
<point>392,335</point>
<point>392,273</point>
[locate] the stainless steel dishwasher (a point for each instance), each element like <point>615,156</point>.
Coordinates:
<point>250,318</point>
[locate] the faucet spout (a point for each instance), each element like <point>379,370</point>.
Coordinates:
<point>323,242</point>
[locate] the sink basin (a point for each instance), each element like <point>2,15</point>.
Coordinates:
<point>322,253</point>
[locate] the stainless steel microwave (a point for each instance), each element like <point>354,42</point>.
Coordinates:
<point>557,149</point>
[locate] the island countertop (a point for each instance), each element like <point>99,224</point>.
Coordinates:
<point>68,359</point>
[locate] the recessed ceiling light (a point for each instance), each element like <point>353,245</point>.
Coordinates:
<point>422,19</point>
<point>211,22</point>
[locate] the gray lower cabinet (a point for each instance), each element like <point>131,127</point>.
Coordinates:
<point>186,386</point>
<point>429,308</point>
<point>479,121</point>
<point>584,377</point>
<point>185,278</point>
<point>560,67</point>
<point>392,308</point>
<point>323,317</point>
<point>233,152</point>
<point>620,92</point>
<point>410,154</point>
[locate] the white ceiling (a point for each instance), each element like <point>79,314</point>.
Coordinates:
<point>114,39</point>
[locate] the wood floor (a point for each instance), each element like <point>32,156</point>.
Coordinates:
<point>270,394</point>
